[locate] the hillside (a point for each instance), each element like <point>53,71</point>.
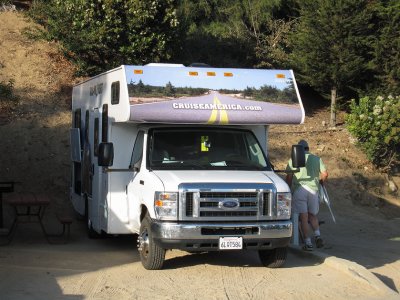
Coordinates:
<point>34,128</point>
<point>35,151</point>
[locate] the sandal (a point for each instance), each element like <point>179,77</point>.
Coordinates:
<point>308,247</point>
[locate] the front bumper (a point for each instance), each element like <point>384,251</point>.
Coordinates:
<point>205,236</point>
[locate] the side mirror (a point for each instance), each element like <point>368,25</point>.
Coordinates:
<point>298,156</point>
<point>106,154</point>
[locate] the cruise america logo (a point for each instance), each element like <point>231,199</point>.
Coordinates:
<point>217,108</point>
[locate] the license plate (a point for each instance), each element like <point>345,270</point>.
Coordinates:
<point>230,242</point>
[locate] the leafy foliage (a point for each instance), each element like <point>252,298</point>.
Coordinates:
<point>150,91</point>
<point>376,125</point>
<point>7,91</point>
<point>102,34</point>
<point>235,33</point>
<point>271,94</point>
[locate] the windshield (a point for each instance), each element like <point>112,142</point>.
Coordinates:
<point>205,149</point>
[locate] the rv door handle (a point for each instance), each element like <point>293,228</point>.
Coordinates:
<point>141,182</point>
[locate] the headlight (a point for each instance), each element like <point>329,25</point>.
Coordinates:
<point>166,205</point>
<point>284,205</point>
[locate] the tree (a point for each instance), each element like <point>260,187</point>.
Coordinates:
<point>332,46</point>
<point>237,33</point>
<point>387,48</point>
<point>169,90</point>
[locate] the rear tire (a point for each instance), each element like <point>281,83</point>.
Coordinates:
<point>92,234</point>
<point>151,255</point>
<point>274,258</point>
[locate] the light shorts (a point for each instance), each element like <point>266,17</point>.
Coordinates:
<point>305,200</point>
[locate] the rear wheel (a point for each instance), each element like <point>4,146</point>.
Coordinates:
<point>151,255</point>
<point>92,234</point>
<point>273,258</point>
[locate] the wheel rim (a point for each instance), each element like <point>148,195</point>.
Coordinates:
<point>143,243</point>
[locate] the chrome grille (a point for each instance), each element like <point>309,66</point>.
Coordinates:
<point>265,204</point>
<point>227,195</point>
<point>229,201</point>
<point>189,204</point>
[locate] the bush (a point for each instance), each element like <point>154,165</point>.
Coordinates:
<point>6,5</point>
<point>376,125</point>
<point>7,91</point>
<point>101,34</point>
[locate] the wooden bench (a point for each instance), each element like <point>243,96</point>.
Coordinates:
<point>66,221</point>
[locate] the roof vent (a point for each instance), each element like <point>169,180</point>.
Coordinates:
<point>165,65</point>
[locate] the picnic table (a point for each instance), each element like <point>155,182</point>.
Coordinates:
<point>28,208</point>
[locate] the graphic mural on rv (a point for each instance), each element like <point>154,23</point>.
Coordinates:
<point>213,96</point>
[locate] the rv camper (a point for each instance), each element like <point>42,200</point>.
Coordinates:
<point>178,155</point>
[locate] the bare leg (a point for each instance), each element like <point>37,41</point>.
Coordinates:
<point>315,225</point>
<point>304,225</point>
<point>313,221</point>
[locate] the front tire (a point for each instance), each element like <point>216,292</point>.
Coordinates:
<point>274,258</point>
<point>151,255</point>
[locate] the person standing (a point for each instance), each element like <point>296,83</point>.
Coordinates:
<point>304,185</point>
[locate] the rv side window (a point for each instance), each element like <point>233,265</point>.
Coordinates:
<point>137,150</point>
<point>78,123</point>
<point>77,119</point>
<point>115,92</point>
<point>96,137</point>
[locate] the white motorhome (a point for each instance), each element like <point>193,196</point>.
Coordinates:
<point>179,156</point>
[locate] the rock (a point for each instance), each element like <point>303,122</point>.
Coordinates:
<point>392,186</point>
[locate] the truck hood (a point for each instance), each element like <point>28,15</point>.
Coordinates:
<point>172,179</point>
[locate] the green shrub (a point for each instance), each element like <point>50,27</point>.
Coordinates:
<point>7,91</point>
<point>102,34</point>
<point>376,125</point>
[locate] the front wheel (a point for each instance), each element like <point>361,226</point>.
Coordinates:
<point>274,258</point>
<point>151,255</point>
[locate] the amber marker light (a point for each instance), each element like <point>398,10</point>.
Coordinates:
<point>164,196</point>
<point>159,203</point>
<point>193,73</point>
<point>210,73</point>
<point>228,74</point>
<point>280,75</point>
<point>137,71</point>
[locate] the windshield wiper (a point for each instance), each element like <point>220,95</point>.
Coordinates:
<point>193,164</point>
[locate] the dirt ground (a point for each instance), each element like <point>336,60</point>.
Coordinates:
<point>34,131</point>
